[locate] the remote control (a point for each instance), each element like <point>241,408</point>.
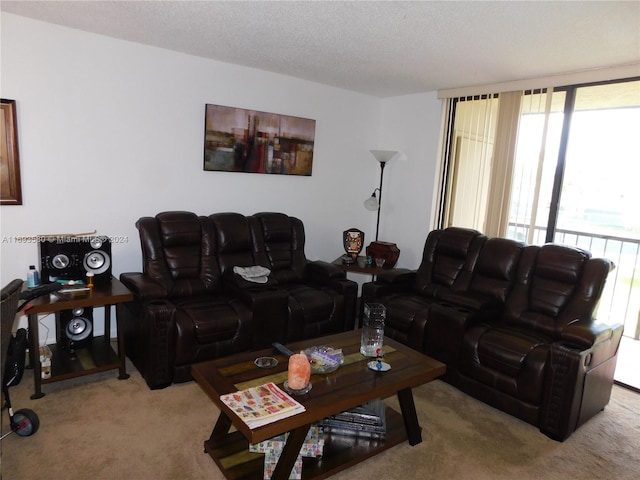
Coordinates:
<point>35,292</point>
<point>282,349</point>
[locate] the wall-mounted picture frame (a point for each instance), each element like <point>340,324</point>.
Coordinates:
<point>241,140</point>
<point>10,186</point>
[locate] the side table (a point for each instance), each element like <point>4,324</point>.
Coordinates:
<point>366,270</point>
<point>96,357</point>
<point>355,268</point>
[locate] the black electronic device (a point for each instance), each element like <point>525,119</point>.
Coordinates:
<point>282,349</point>
<point>75,328</point>
<point>70,258</point>
<point>27,295</point>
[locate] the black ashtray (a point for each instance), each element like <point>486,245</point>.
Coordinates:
<point>266,362</point>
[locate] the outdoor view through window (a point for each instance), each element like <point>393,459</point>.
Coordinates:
<point>599,201</point>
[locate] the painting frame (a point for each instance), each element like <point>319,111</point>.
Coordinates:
<point>252,141</point>
<point>11,186</point>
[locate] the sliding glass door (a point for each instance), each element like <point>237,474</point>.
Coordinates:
<point>596,200</point>
<point>569,170</point>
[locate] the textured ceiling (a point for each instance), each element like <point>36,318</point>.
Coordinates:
<point>380,48</point>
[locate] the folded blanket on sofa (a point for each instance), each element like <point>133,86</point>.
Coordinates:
<point>256,273</point>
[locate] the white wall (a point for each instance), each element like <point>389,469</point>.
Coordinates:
<point>411,124</point>
<point>110,131</point>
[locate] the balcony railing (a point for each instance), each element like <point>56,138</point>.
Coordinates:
<point>620,301</point>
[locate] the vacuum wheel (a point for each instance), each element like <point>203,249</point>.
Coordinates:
<point>25,422</point>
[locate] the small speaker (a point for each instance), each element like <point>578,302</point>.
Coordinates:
<point>98,259</point>
<point>75,328</point>
<point>70,258</point>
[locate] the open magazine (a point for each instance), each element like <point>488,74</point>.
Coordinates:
<point>261,405</point>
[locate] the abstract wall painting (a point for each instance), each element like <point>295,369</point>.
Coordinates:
<point>240,140</point>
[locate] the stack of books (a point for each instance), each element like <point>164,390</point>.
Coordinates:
<point>367,421</point>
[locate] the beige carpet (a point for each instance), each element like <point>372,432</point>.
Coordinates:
<point>99,427</point>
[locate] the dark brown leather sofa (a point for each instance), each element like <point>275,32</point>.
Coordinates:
<point>190,306</point>
<point>514,324</point>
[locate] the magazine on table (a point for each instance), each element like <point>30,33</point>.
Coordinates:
<point>261,405</point>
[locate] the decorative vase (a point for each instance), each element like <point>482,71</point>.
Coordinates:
<point>384,250</point>
<point>373,329</point>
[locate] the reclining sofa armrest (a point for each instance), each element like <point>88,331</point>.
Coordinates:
<point>445,330</point>
<point>268,303</point>
<point>320,271</point>
<point>484,306</point>
<point>578,380</point>
<point>398,280</point>
<point>150,343</point>
<point>397,277</point>
<point>143,286</point>
<point>332,276</point>
<point>587,334</point>
<point>270,307</point>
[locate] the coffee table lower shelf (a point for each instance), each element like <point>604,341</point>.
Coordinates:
<point>232,455</point>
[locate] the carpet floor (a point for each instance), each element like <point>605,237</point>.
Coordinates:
<point>98,427</point>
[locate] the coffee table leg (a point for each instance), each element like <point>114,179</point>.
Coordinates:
<point>290,453</point>
<point>410,417</point>
<point>221,428</point>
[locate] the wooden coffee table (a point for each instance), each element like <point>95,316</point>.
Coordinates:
<point>353,384</point>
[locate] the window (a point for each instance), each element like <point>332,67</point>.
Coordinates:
<point>554,164</point>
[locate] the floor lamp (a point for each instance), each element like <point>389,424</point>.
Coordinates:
<point>372,203</point>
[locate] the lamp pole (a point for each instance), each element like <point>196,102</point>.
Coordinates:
<point>382,156</point>
<point>382,164</point>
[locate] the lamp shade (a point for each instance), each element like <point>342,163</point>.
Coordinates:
<point>383,156</point>
<point>371,203</point>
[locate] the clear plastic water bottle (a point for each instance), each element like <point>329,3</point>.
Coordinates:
<point>33,277</point>
<point>372,329</point>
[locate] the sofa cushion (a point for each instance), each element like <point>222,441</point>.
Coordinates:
<point>447,255</point>
<point>556,275</point>
<point>181,237</point>
<point>179,253</point>
<point>219,325</point>
<point>505,349</point>
<point>233,240</point>
<point>406,316</point>
<point>279,245</point>
<point>496,268</point>
<point>510,359</point>
<point>551,277</point>
<point>313,311</point>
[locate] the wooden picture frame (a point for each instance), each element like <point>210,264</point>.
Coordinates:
<point>10,185</point>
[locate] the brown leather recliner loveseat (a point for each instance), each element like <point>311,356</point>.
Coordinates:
<point>514,324</point>
<point>190,305</point>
